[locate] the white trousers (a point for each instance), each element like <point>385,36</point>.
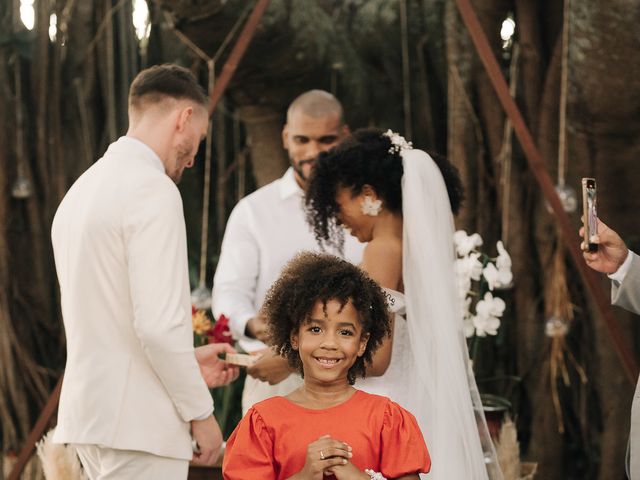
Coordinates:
<point>101,463</point>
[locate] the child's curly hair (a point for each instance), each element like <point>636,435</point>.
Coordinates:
<point>310,277</point>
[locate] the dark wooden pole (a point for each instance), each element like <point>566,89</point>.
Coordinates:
<point>237,53</point>
<point>36,433</point>
<point>569,235</point>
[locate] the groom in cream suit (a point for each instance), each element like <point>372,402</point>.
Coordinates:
<point>134,394</point>
<point>623,268</point>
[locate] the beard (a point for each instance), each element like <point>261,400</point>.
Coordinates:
<point>297,167</point>
<point>183,157</point>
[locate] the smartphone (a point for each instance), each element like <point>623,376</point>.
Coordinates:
<point>240,359</point>
<point>589,212</point>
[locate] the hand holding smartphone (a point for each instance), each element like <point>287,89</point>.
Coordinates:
<point>589,213</point>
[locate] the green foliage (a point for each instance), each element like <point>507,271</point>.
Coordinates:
<point>228,404</point>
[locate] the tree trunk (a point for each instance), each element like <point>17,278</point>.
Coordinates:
<point>264,127</point>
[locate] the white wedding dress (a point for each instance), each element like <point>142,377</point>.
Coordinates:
<point>429,372</point>
<point>395,380</point>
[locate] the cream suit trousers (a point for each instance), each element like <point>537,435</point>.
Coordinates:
<point>102,463</point>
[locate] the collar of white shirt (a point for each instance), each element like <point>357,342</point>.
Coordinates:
<point>288,185</point>
<point>142,150</point>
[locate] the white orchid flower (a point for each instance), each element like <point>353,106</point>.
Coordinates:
<point>496,278</point>
<point>466,243</point>
<point>491,275</point>
<point>490,306</point>
<point>468,327</point>
<point>503,262</point>
<point>469,266</point>
<point>504,259</point>
<point>486,325</point>
<point>505,276</point>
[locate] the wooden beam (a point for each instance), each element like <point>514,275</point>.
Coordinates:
<point>237,53</point>
<point>36,433</point>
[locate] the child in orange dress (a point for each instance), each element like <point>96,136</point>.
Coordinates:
<point>327,318</point>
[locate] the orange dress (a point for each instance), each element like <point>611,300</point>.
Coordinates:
<point>270,442</point>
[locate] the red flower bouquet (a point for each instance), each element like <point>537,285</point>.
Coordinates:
<point>220,332</point>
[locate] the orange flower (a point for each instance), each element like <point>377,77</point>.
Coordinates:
<point>200,321</point>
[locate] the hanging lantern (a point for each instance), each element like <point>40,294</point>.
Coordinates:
<point>556,326</point>
<point>22,188</point>
<point>568,197</point>
<point>201,297</point>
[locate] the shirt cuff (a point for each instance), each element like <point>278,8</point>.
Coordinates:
<point>618,275</point>
<point>204,416</point>
<point>238,324</point>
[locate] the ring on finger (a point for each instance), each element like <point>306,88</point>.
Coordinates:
<point>321,455</point>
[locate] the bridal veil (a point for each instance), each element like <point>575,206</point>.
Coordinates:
<point>443,394</point>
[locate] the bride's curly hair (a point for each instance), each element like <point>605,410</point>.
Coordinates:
<point>364,159</point>
<point>310,277</point>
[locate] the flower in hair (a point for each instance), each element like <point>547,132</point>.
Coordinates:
<point>398,142</point>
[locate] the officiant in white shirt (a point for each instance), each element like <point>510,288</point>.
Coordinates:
<point>135,391</point>
<point>265,230</point>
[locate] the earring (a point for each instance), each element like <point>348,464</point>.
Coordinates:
<point>294,346</point>
<point>371,207</point>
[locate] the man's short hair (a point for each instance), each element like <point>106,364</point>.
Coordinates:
<point>156,83</point>
<point>316,104</point>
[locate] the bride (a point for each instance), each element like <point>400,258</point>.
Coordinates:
<point>398,199</point>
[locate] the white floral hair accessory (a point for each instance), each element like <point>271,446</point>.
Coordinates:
<point>370,206</point>
<point>398,142</point>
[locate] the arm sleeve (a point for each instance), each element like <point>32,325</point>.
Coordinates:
<point>249,450</point>
<point>404,451</point>
<point>619,274</point>
<point>156,246</point>
<point>235,281</point>
<point>627,293</point>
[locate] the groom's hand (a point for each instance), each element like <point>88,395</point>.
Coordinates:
<point>208,437</point>
<point>216,372</point>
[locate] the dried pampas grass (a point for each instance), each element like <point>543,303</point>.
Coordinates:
<point>59,462</point>
<point>528,471</point>
<point>508,450</point>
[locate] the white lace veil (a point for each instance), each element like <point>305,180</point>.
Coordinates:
<point>442,394</point>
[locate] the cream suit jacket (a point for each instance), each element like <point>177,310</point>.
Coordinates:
<point>131,380</point>
<point>627,296</point>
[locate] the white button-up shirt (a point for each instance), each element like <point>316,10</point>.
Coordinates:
<point>265,230</point>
